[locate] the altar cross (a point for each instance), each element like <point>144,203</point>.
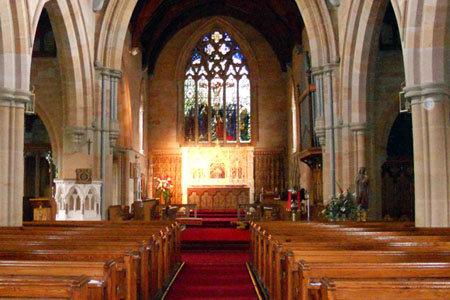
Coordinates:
<point>216,37</point>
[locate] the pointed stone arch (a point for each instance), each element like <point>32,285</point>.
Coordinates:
<point>319,27</point>
<point>75,63</point>
<point>56,139</point>
<point>113,32</point>
<point>211,24</point>
<point>314,12</point>
<point>125,117</point>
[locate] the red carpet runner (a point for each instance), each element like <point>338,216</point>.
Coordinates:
<point>209,275</point>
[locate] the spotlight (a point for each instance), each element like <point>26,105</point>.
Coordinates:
<point>134,51</point>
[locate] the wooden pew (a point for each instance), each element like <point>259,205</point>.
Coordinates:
<point>386,289</point>
<point>102,283</point>
<point>289,283</point>
<point>310,274</point>
<point>172,230</point>
<point>311,235</point>
<point>141,255</point>
<point>127,263</point>
<point>148,274</point>
<point>43,287</point>
<point>115,230</point>
<point>165,250</point>
<point>277,256</point>
<point>334,230</point>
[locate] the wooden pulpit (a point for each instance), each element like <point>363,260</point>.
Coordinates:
<point>44,209</point>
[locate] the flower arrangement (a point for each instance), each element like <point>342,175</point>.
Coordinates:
<point>343,207</point>
<point>164,187</point>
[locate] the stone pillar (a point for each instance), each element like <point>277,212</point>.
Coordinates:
<point>12,106</point>
<point>331,126</point>
<point>359,130</point>
<point>431,134</point>
<point>107,127</point>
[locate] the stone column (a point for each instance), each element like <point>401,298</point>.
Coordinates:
<point>359,130</point>
<point>319,120</point>
<point>12,106</point>
<point>431,134</point>
<point>331,126</point>
<point>108,131</point>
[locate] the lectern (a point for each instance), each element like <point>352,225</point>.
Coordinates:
<point>44,209</point>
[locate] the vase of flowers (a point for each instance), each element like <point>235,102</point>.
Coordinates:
<point>343,207</point>
<point>163,188</point>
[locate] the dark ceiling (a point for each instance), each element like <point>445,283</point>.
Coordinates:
<point>155,22</point>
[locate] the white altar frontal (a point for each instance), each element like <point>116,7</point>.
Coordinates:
<point>217,166</point>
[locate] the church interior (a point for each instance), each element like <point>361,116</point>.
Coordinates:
<point>224,149</point>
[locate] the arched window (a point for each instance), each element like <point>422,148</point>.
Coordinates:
<point>217,97</point>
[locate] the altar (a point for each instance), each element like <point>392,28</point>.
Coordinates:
<point>217,177</point>
<point>218,197</point>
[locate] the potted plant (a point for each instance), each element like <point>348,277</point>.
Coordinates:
<point>343,207</point>
<point>163,188</point>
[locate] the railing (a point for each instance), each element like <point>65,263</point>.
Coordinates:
<point>171,211</point>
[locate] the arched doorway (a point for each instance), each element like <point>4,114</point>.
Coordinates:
<point>398,171</point>
<point>39,155</point>
<point>39,169</point>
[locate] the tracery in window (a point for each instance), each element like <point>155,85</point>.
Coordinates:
<point>217,96</point>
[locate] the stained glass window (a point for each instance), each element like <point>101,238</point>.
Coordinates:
<point>217,92</point>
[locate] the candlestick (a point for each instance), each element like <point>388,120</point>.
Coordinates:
<point>288,204</point>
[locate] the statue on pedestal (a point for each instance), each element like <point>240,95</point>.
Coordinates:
<point>362,188</point>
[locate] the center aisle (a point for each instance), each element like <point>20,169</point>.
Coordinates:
<point>214,274</point>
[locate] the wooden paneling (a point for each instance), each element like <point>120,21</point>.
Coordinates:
<point>269,170</point>
<point>218,197</point>
<point>171,165</point>
<point>398,188</point>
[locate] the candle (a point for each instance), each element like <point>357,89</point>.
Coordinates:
<point>298,198</point>
<point>288,204</point>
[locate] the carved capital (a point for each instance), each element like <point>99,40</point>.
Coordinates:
<point>109,72</point>
<point>77,136</point>
<point>14,98</point>
<point>320,131</point>
<point>427,90</point>
<point>358,128</point>
<point>114,132</point>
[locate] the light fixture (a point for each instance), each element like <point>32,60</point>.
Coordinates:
<point>134,51</point>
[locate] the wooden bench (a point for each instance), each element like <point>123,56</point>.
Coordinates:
<point>102,234</point>
<point>127,263</point>
<point>44,287</point>
<point>311,273</point>
<point>102,283</point>
<point>277,263</point>
<point>268,270</point>
<point>136,273</point>
<point>386,289</point>
<point>170,257</point>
